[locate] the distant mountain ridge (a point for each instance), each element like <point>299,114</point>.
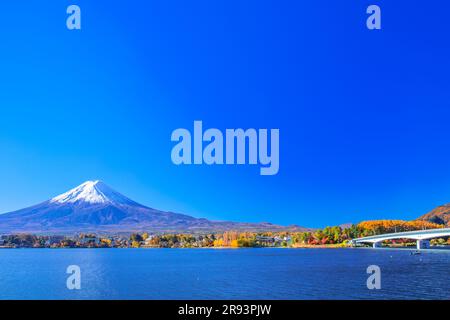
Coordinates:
<point>95,207</point>
<point>439,215</point>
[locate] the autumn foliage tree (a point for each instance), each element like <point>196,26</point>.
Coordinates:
<point>375,227</point>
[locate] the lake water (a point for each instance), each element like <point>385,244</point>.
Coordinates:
<point>223,274</point>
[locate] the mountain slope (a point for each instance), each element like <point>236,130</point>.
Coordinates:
<point>439,215</point>
<point>95,207</point>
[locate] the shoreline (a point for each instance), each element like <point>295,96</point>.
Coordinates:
<point>196,248</point>
<point>321,247</point>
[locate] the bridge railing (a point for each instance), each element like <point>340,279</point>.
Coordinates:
<point>417,234</point>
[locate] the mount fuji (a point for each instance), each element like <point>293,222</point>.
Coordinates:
<point>95,207</point>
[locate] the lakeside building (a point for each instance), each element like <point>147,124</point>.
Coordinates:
<point>89,240</point>
<point>272,241</point>
<point>54,240</point>
<point>148,242</point>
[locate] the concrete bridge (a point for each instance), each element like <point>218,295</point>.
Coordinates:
<point>421,236</point>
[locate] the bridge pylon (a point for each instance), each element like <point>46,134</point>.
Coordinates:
<point>423,244</point>
<point>376,245</point>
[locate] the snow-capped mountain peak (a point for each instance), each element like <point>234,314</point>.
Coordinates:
<point>93,207</point>
<point>93,192</point>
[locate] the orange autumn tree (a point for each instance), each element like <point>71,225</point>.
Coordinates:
<point>389,226</point>
<point>229,239</point>
<point>235,239</point>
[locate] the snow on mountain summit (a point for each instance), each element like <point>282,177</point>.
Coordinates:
<point>93,207</point>
<point>93,192</point>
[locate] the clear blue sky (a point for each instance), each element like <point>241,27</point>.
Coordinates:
<point>363,115</point>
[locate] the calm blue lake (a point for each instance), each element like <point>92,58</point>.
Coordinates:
<point>223,274</point>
